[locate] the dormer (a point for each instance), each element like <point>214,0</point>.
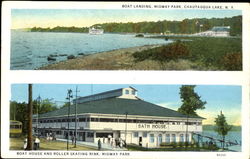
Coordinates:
<point>129,93</point>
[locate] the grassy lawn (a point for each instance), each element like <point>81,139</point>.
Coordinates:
<point>17,144</point>
<point>186,53</point>
<point>200,53</point>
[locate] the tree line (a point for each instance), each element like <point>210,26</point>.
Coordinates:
<point>18,110</point>
<point>186,26</point>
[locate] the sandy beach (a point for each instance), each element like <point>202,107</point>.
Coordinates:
<point>120,59</point>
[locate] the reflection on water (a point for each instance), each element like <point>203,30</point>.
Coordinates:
<point>29,50</point>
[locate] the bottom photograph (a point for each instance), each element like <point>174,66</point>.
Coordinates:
<point>125,117</point>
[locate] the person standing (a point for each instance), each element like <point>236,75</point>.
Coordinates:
<point>112,142</point>
<point>25,143</point>
<point>99,144</point>
<point>103,140</point>
<point>120,143</point>
<point>116,142</point>
<point>73,139</point>
<point>37,143</point>
<point>109,139</point>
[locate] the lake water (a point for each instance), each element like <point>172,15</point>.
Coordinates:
<point>233,136</point>
<point>29,50</point>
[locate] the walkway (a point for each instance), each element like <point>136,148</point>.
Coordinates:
<point>95,145</point>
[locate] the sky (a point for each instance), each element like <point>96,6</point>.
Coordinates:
<point>27,18</point>
<point>225,98</point>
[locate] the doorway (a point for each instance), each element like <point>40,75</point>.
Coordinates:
<point>140,141</point>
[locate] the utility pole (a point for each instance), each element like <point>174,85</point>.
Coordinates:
<point>126,128</point>
<point>30,112</point>
<point>68,97</point>
<point>186,138</point>
<point>37,109</point>
<point>76,116</point>
<point>14,112</point>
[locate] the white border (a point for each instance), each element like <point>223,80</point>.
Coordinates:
<point>9,77</point>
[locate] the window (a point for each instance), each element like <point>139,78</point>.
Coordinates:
<point>144,134</point>
<point>135,134</point>
<point>104,135</point>
<point>90,134</point>
<point>173,138</point>
<point>187,137</point>
<point>106,120</point>
<point>152,138</point>
<point>160,138</point>
<point>126,91</point>
<point>94,119</point>
<point>181,138</point>
<point>133,92</point>
<point>167,138</point>
<point>81,119</point>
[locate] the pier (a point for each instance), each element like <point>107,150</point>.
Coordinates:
<point>210,139</point>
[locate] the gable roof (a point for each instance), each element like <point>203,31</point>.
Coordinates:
<point>221,28</point>
<point>119,106</point>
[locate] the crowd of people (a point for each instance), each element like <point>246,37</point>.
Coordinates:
<point>113,142</point>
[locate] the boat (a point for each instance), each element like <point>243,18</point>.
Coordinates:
<point>96,31</point>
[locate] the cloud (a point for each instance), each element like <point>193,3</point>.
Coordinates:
<point>233,116</point>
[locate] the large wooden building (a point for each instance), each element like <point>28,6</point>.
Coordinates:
<point>217,31</point>
<point>118,114</point>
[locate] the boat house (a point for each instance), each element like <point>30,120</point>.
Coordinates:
<point>217,31</point>
<point>120,114</point>
<point>96,30</point>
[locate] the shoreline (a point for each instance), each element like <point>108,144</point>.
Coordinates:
<point>119,59</point>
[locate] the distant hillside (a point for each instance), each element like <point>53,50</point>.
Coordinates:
<point>186,26</point>
<point>211,128</point>
<point>61,29</point>
<point>22,29</point>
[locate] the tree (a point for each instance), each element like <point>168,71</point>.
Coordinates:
<point>18,110</point>
<point>46,106</point>
<point>191,101</point>
<point>65,105</point>
<point>222,128</point>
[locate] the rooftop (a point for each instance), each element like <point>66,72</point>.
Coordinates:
<point>118,106</point>
<point>221,28</point>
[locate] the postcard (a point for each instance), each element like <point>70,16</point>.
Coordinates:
<point>125,80</point>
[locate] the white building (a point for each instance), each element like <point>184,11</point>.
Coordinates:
<point>96,31</point>
<point>217,31</point>
<point>120,114</point>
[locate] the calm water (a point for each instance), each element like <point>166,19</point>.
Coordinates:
<point>233,136</point>
<point>29,50</point>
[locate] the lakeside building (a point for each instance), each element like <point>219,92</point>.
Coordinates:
<point>96,31</point>
<point>121,114</point>
<point>217,31</point>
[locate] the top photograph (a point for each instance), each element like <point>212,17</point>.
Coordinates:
<point>126,39</point>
